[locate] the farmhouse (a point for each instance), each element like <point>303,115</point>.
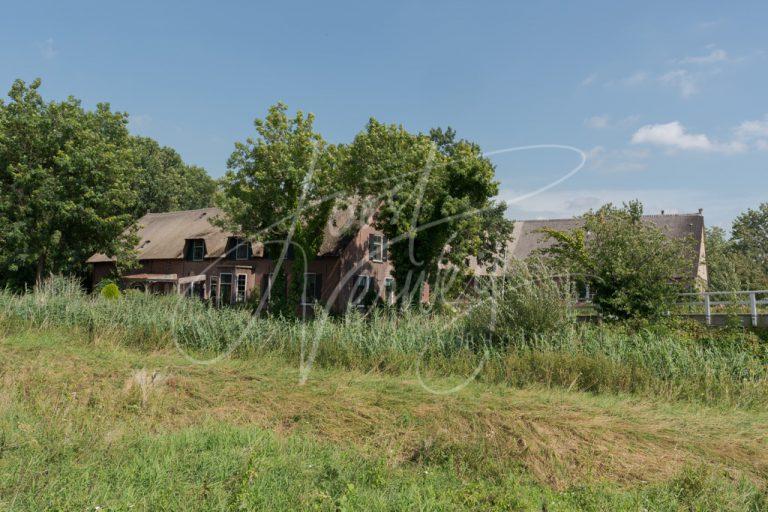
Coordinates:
<point>528,238</point>
<point>183,252</point>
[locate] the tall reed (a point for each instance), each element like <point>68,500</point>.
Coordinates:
<point>672,361</point>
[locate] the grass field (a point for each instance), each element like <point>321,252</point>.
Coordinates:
<point>87,421</point>
<point>661,361</point>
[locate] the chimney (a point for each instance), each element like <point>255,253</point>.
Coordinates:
<point>701,211</point>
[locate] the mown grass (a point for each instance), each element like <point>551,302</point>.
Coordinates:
<point>88,422</point>
<point>665,361</point>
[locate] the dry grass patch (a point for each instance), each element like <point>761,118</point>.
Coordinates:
<point>562,438</point>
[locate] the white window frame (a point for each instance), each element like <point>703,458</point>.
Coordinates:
<point>377,241</point>
<point>363,279</point>
<point>213,289</point>
<point>238,298</point>
<point>270,282</point>
<point>195,247</point>
<point>195,288</point>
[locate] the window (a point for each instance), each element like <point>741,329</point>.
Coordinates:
<point>360,291</point>
<point>225,288</point>
<point>313,290</point>
<point>239,249</point>
<point>198,250</point>
<point>242,281</point>
<point>196,289</point>
<point>377,247</point>
<point>195,250</point>
<point>213,291</point>
<point>242,251</point>
<point>389,290</point>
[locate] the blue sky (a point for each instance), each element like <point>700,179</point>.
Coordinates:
<point>668,100</point>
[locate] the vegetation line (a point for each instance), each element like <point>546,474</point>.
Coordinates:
<point>669,361</point>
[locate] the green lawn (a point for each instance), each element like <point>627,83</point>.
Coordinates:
<point>84,425</point>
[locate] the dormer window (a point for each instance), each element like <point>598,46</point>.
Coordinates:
<point>239,249</point>
<point>195,250</point>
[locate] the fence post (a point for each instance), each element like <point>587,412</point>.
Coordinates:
<point>753,308</point>
<point>707,309</point>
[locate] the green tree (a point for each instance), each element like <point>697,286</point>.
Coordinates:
<point>749,237</point>
<point>723,261</point>
<point>631,266</point>
<point>66,178</point>
<point>281,185</point>
<point>165,183</point>
<point>433,197</point>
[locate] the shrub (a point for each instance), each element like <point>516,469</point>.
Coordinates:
<point>527,302</point>
<point>110,291</point>
<point>634,269</point>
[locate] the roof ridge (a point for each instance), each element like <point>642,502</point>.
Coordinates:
<point>674,215</point>
<point>548,220</point>
<point>644,215</point>
<point>176,212</point>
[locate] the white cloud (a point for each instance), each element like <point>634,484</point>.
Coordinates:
<point>616,160</point>
<point>596,122</point>
<point>752,129</point>
<point>628,121</point>
<point>605,121</point>
<point>716,55</point>
<point>687,75</point>
<point>704,25</point>
<point>685,81</point>
<point>635,78</point>
<point>569,203</point>
<point>750,134</point>
<point>753,132</point>
<point>675,136</point>
<point>589,80</point>
<point>47,49</point>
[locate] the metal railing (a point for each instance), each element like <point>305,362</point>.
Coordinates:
<point>752,301</point>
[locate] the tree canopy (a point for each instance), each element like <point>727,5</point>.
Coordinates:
<point>631,266</point>
<point>434,196</point>
<point>282,185</point>
<point>165,183</point>
<point>741,261</point>
<point>749,236</point>
<point>723,263</point>
<point>431,193</point>
<point>66,181</point>
<point>71,182</point>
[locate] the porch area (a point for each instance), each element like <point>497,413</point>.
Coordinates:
<point>193,286</point>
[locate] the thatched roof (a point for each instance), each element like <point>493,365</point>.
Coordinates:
<point>527,237</point>
<point>164,235</point>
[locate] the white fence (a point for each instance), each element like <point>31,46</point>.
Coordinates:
<point>728,299</point>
